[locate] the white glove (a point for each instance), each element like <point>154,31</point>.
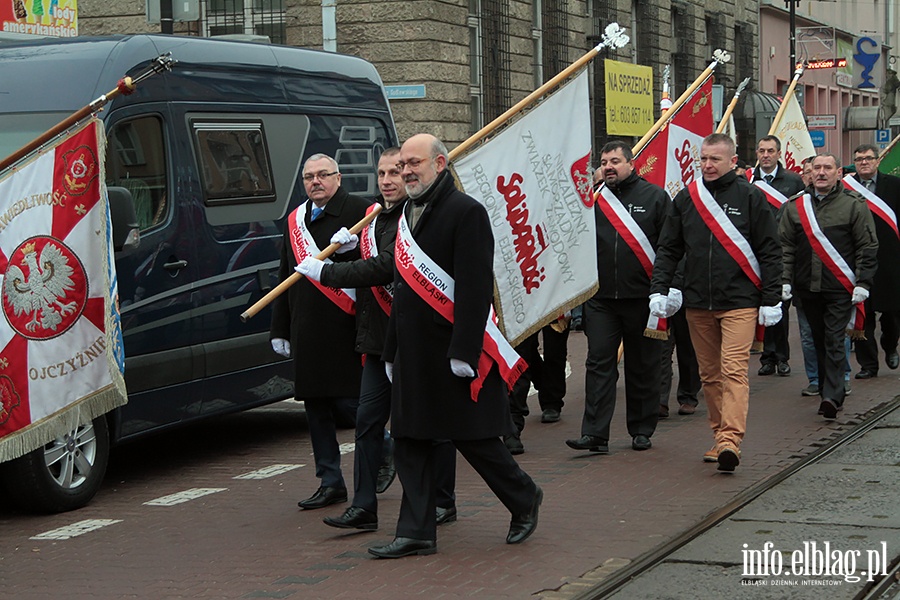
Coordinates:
<point>769,315</point>
<point>281,346</point>
<point>347,241</point>
<point>389,371</point>
<point>311,268</point>
<point>658,305</point>
<point>860,294</point>
<point>673,302</point>
<point>786,292</point>
<point>461,368</point>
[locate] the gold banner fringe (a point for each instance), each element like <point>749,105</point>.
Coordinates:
<point>656,334</point>
<point>756,346</point>
<point>856,334</point>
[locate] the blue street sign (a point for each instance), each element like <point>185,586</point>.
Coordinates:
<point>404,92</point>
<point>882,136</point>
<point>818,138</point>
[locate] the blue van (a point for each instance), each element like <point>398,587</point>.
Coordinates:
<point>210,155</point>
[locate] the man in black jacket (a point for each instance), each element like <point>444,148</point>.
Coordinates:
<point>885,297</point>
<point>372,276</point>
<point>315,324</point>
<point>732,281</point>
<point>436,334</point>
<point>629,214</point>
<point>776,350</point>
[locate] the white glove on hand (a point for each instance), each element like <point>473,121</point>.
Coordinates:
<point>673,302</point>
<point>658,305</point>
<point>281,346</point>
<point>860,294</point>
<point>347,241</point>
<point>769,315</point>
<point>311,268</point>
<point>461,368</point>
<point>786,292</point>
<point>389,371</point>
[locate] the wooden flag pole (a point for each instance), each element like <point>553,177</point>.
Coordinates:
<point>295,276</point>
<point>613,37</point>
<point>888,148</point>
<point>731,106</point>
<point>787,96</point>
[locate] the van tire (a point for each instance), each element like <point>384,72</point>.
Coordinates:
<point>64,474</point>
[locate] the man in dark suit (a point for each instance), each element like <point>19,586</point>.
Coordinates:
<point>315,324</point>
<point>885,298</point>
<point>434,349</point>
<point>776,350</point>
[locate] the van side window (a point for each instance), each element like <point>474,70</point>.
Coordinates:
<point>136,160</point>
<point>234,162</point>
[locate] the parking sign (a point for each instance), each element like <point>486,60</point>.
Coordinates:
<point>882,136</point>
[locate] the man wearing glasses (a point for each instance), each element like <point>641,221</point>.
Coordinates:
<point>882,193</point>
<point>315,324</point>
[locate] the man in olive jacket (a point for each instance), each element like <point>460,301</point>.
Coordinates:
<point>433,360</point>
<point>845,221</point>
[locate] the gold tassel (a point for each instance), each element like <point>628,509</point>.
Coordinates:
<point>856,334</point>
<point>656,334</point>
<point>757,346</point>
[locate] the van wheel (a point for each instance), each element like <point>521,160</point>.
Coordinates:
<point>63,475</point>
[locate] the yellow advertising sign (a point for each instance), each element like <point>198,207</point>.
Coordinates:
<point>629,98</point>
<point>57,18</point>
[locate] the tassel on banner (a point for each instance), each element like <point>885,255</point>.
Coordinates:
<point>757,345</point>
<point>657,328</point>
<point>856,328</point>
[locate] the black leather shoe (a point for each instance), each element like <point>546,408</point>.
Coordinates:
<point>589,442</point>
<point>402,546</point>
<point>783,369</point>
<point>445,515</point>
<point>892,360</point>
<point>524,525</point>
<point>663,411</point>
<point>828,409</point>
<point>354,518</point>
<point>324,496</point>
<point>551,415</point>
<point>766,369</point>
<point>514,444</point>
<point>866,374</point>
<point>640,442</point>
<point>386,473</point>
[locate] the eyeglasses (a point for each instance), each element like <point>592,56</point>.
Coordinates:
<point>862,159</point>
<point>413,163</point>
<point>321,175</point>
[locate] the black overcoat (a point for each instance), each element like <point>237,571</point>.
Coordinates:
<point>886,284</point>
<point>429,402</point>
<point>322,335</point>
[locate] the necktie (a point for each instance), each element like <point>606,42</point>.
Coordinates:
<point>869,184</point>
<point>315,213</point>
<point>769,178</point>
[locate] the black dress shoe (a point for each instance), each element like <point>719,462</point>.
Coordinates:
<point>766,369</point>
<point>514,444</point>
<point>866,374</point>
<point>354,518</point>
<point>445,515</point>
<point>402,546</point>
<point>589,442</point>
<point>641,442</point>
<point>783,369</point>
<point>551,415</point>
<point>892,360</point>
<point>524,525</point>
<point>324,496</point>
<point>828,409</point>
<point>386,473</point>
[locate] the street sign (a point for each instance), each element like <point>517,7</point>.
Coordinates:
<point>821,121</point>
<point>818,138</point>
<point>882,136</point>
<point>404,92</point>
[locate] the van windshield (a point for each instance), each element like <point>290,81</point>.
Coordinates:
<point>16,130</point>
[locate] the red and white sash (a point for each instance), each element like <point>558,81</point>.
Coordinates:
<point>879,207</point>
<point>730,238</point>
<point>368,248</point>
<point>775,198</point>
<point>436,288</point>
<point>303,245</point>
<point>832,259</point>
<point>637,240</point>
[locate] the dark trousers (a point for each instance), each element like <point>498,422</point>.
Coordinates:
<point>548,373</point>
<point>688,372</point>
<point>775,343</point>
<point>321,414</point>
<point>867,349</point>
<point>606,324</point>
<point>417,466</point>
<point>828,314</point>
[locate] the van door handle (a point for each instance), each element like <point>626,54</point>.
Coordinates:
<point>175,266</point>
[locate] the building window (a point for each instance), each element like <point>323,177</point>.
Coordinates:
<point>489,59</point>
<point>555,43</point>
<point>744,46</point>
<point>256,17</point>
<point>601,14</point>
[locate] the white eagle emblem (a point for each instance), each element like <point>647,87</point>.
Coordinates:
<point>42,293</point>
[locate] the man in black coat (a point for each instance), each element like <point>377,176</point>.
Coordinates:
<point>776,350</point>
<point>629,215</point>
<point>316,325</point>
<point>434,360</point>
<point>885,298</point>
